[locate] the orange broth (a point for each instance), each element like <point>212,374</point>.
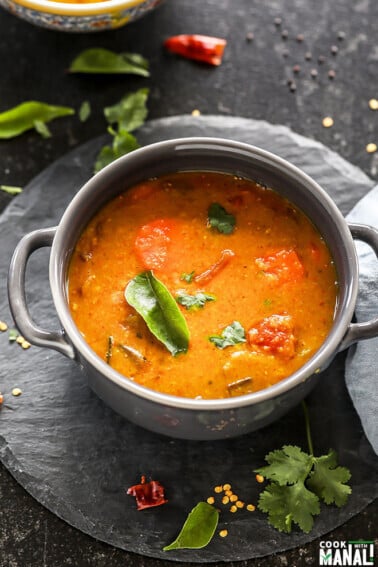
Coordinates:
<point>273,274</point>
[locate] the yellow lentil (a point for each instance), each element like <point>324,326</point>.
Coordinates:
<point>225,500</point>
<point>260,478</point>
<point>373,104</point>
<point>210,500</point>
<point>371,148</point>
<point>3,326</point>
<point>196,112</point>
<point>218,489</point>
<point>20,339</point>
<point>228,492</point>
<point>251,507</point>
<point>25,345</point>
<point>16,392</point>
<point>240,504</point>
<point>227,487</point>
<point>327,122</point>
<point>223,533</point>
<point>233,508</point>
<point>233,498</point>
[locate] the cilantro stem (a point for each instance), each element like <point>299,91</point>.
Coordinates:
<point>308,429</point>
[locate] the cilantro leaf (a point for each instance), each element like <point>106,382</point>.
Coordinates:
<point>328,480</point>
<point>288,504</point>
<point>130,112</point>
<point>196,301</point>
<point>187,277</point>
<point>220,219</point>
<point>232,335</point>
<point>287,465</point>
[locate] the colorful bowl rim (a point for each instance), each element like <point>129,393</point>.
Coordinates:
<point>85,9</point>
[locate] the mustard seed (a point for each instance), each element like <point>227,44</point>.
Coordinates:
<point>373,104</point>
<point>327,122</point>
<point>260,478</point>
<point>251,507</point>
<point>210,500</point>
<point>223,533</point>
<point>16,392</point>
<point>371,148</point>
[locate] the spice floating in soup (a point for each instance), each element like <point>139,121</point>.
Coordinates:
<point>202,285</point>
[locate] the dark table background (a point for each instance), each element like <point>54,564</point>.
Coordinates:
<point>251,82</point>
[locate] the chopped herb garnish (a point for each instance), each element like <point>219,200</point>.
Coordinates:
<point>10,189</point>
<point>198,528</point>
<point>220,219</point>
<point>232,335</point>
<point>84,111</point>
<point>187,277</point>
<point>196,301</point>
<point>123,143</point>
<point>153,301</point>
<point>298,482</point>
<point>98,60</point>
<point>29,115</point>
<point>13,334</point>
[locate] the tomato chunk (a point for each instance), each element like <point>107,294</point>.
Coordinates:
<point>198,47</point>
<point>152,243</point>
<point>274,334</point>
<point>284,266</point>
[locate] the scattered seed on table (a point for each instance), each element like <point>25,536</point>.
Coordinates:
<point>218,489</point>
<point>16,392</point>
<point>277,21</point>
<point>334,49</point>
<point>284,34</point>
<point>20,339</point>
<point>227,486</point>
<point>331,74</point>
<point>260,478</point>
<point>285,53</point>
<point>300,38</point>
<point>3,326</point>
<point>225,500</point>
<point>313,73</point>
<point>341,35</point>
<point>293,87</point>
<point>371,148</point>
<point>233,497</point>
<point>321,59</point>
<point>233,509</point>
<point>373,104</point>
<point>249,36</point>
<point>223,533</point>
<point>308,55</point>
<point>296,68</point>
<point>196,112</point>
<point>251,507</point>
<point>327,122</point>
<point>239,504</point>
<point>210,500</point>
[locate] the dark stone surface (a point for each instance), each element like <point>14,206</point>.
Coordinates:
<point>251,82</point>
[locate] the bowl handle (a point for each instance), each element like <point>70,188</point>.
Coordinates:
<point>369,329</point>
<point>17,299</point>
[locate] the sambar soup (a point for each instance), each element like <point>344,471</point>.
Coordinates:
<point>202,285</point>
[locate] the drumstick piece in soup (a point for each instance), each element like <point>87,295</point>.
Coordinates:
<point>250,274</point>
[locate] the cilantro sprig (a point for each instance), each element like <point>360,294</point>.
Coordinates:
<point>299,481</point>
<point>195,301</point>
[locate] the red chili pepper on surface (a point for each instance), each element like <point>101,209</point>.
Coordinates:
<point>199,47</point>
<point>147,494</point>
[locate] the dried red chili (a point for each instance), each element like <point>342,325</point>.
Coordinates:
<point>147,494</point>
<point>199,47</point>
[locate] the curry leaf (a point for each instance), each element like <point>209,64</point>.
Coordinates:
<point>198,528</point>
<point>99,60</point>
<point>130,112</point>
<point>84,111</point>
<point>10,189</point>
<point>24,117</point>
<point>42,129</point>
<point>153,301</point>
<point>220,219</point>
<point>232,335</point>
<point>196,301</point>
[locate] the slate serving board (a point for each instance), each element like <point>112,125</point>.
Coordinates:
<point>77,457</point>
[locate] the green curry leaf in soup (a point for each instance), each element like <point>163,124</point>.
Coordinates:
<point>198,528</point>
<point>231,335</point>
<point>28,115</point>
<point>155,304</point>
<point>103,61</point>
<point>220,219</point>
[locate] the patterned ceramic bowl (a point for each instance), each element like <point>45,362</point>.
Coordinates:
<point>84,17</point>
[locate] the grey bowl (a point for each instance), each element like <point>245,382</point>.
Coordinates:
<point>171,415</point>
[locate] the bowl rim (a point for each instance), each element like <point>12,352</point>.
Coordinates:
<point>84,9</point>
<point>318,362</point>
